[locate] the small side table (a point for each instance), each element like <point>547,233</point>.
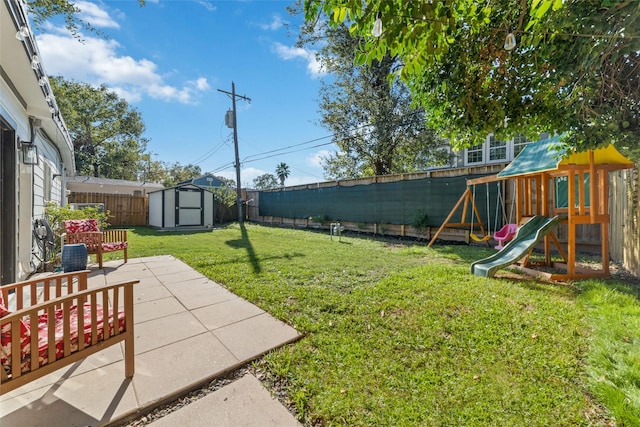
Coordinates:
<point>74,257</point>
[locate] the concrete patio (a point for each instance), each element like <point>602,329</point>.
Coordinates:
<point>189,330</point>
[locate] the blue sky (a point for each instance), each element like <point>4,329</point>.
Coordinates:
<point>169,58</point>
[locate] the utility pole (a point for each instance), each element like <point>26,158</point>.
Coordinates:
<point>233,96</point>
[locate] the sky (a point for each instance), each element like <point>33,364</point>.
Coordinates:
<point>170,58</point>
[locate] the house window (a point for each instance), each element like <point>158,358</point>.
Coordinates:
<point>497,149</point>
<point>519,142</point>
<point>474,154</point>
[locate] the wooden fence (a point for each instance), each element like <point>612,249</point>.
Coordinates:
<point>624,240</point>
<point>125,209</point>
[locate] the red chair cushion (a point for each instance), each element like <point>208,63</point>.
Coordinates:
<point>5,338</point>
<point>80,225</point>
<point>113,246</point>
<point>43,356</point>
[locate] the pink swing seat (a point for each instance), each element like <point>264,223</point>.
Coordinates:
<point>505,234</point>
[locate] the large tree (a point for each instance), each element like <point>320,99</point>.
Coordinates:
<point>372,118</point>
<point>265,181</point>
<point>176,172</point>
<point>574,68</point>
<point>106,131</point>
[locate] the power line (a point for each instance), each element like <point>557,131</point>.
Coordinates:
<point>290,146</point>
<point>209,153</point>
<point>286,152</point>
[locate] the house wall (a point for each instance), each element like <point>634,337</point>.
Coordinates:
<point>32,180</point>
<point>12,112</point>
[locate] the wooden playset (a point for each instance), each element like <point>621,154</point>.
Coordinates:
<point>552,183</point>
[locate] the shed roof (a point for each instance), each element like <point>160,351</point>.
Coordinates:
<point>549,155</point>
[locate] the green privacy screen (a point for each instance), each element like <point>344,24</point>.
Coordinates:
<point>390,202</point>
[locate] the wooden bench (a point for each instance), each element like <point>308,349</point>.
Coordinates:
<point>98,242</point>
<point>48,315</point>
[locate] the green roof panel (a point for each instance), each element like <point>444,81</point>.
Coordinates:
<point>536,157</point>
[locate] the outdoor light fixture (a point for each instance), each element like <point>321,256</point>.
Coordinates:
<point>22,34</point>
<point>29,153</point>
<point>35,62</point>
<point>510,42</point>
<point>377,27</point>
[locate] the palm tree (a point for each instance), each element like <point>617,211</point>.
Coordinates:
<point>282,171</point>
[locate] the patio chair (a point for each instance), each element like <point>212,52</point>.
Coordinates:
<point>98,242</point>
<point>53,321</point>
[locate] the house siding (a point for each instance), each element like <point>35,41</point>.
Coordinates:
<point>22,102</point>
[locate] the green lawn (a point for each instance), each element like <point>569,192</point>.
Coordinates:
<point>398,334</point>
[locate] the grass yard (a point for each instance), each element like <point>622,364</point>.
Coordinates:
<point>398,334</point>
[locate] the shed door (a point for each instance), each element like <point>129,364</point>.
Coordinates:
<point>189,203</point>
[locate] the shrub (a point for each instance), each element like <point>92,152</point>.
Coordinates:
<point>55,214</point>
<point>420,222</point>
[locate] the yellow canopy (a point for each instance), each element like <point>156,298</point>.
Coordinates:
<point>601,156</point>
<point>547,155</point>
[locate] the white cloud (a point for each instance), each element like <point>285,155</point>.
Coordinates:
<point>201,84</point>
<point>97,61</point>
<point>314,67</point>
<point>316,159</point>
<point>275,24</point>
<point>207,5</point>
<point>95,15</point>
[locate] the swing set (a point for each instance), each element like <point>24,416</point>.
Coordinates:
<point>553,188</point>
<point>468,203</point>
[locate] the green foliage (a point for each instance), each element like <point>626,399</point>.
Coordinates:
<point>383,227</point>
<point>282,172</point>
<point>175,173</point>
<point>376,127</point>
<point>320,219</point>
<point>575,69</point>
<point>106,131</point>
<point>420,222</point>
<point>265,181</point>
<point>55,215</point>
<point>225,196</point>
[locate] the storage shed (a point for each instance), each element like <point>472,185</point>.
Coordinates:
<point>185,206</point>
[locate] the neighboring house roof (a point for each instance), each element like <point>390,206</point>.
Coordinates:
<point>21,68</point>
<point>92,184</point>
<point>206,180</point>
<point>548,155</point>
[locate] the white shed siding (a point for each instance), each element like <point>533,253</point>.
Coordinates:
<point>155,209</point>
<point>169,208</point>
